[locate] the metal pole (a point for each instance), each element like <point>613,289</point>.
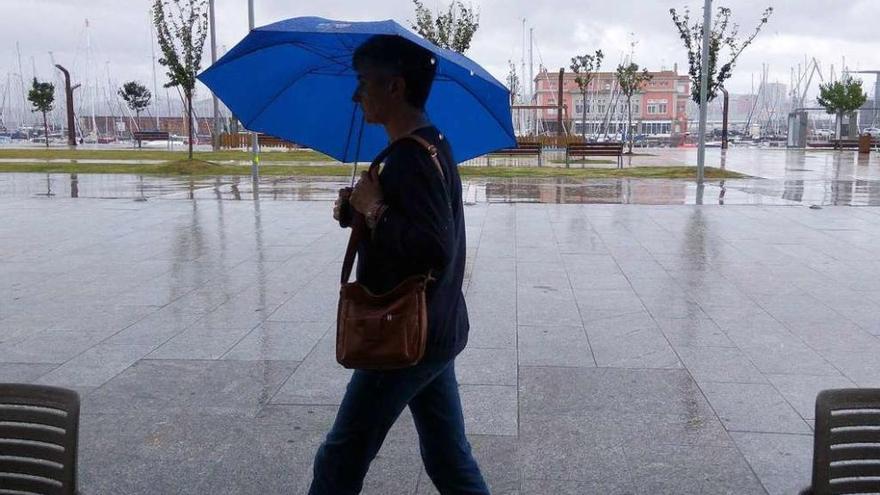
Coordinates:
<point>216,138</point>
<point>704,84</point>
<point>559,102</point>
<point>255,146</point>
<point>532,130</point>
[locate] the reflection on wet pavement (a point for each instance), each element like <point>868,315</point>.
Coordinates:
<point>780,177</point>
<point>859,192</point>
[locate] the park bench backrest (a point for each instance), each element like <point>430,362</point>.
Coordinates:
<point>598,149</point>
<point>150,135</point>
<point>520,149</point>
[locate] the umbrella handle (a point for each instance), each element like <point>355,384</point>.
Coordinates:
<point>354,173</point>
<point>358,149</point>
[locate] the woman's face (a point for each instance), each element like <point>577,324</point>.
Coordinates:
<point>377,94</point>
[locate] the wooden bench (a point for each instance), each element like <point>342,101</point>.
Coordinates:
<point>150,136</point>
<point>521,149</point>
<point>584,150</point>
<point>267,141</point>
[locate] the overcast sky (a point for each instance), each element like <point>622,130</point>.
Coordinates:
<point>826,29</point>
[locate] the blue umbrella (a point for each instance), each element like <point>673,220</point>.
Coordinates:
<point>293,79</point>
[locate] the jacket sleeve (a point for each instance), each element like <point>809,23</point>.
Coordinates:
<point>418,226</point>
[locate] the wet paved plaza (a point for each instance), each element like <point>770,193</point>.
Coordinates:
<point>615,349</point>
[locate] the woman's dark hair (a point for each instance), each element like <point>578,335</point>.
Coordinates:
<point>403,58</point>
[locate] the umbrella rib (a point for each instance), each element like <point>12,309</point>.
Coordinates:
<point>336,59</point>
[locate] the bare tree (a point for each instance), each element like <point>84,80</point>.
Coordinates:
<point>630,80</point>
<point>584,67</point>
<point>453,29</point>
<point>723,34</point>
<point>512,82</point>
<point>181,26</point>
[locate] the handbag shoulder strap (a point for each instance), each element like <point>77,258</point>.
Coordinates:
<point>359,224</point>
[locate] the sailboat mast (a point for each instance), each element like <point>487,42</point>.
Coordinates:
<point>93,94</point>
<point>532,128</point>
<point>24,107</point>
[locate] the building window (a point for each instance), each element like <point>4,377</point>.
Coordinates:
<point>655,128</point>
<point>657,107</point>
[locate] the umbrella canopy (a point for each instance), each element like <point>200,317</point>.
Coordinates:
<point>294,79</point>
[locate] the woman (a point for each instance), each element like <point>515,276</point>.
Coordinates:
<point>416,227</point>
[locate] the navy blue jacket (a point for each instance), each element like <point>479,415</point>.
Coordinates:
<point>422,230</point>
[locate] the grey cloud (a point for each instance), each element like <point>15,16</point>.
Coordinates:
<point>563,28</point>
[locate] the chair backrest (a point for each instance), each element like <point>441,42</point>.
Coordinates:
<point>846,449</point>
<point>38,439</point>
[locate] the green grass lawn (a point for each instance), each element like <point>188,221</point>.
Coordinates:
<point>134,154</point>
<point>205,168</point>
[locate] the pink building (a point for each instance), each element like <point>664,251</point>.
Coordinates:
<point>658,110</point>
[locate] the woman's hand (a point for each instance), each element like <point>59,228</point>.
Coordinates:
<point>341,201</point>
<point>367,192</point>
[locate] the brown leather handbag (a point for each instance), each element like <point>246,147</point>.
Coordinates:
<point>382,331</point>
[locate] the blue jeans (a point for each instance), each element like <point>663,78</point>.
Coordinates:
<point>373,401</point>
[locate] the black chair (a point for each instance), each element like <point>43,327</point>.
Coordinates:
<point>846,448</point>
<point>38,439</point>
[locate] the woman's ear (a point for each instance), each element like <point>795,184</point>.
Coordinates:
<point>397,85</point>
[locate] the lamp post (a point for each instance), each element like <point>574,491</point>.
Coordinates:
<point>255,145</point>
<point>704,86</point>
<point>216,141</point>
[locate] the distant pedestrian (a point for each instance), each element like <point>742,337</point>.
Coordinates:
<point>416,221</point>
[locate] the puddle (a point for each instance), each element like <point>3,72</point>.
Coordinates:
<point>855,192</point>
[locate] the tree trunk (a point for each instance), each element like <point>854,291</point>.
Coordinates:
<point>189,111</point>
<point>839,125</point>
<point>584,117</point>
<point>629,123</point>
<point>724,117</point>
<point>46,129</point>
<point>137,119</point>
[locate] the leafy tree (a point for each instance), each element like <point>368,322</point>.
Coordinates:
<point>841,98</point>
<point>453,29</point>
<point>512,82</point>
<point>585,67</point>
<point>137,97</point>
<point>181,26</point>
<point>630,80</point>
<point>723,34</point>
<point>42,97</point>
